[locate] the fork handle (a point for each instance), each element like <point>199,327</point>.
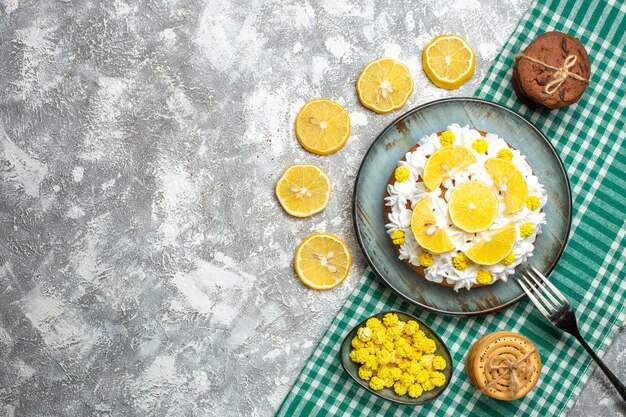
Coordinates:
<point>621,389</point>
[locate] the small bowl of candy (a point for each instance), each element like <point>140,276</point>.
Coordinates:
<point>397,357</point>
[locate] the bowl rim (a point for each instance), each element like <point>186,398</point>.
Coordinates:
<point>371,262</point>
<point>346,343</point>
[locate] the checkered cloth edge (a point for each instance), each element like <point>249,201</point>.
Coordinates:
<point>589,137</point>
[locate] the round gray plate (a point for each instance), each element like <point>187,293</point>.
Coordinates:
<point>391,145</point>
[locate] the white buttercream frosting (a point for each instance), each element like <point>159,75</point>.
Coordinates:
<point>401,197</point>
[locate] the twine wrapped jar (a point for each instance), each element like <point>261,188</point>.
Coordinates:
<point>503,365</point>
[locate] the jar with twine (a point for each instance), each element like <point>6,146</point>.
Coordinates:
<point>503,365</point>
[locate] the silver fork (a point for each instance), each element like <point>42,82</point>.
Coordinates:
<point>555,307</point>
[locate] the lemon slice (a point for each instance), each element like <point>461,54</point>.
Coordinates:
<point>322,261</point>
<point>384,85</point>
<point>425,229</point>
<point>494,249</point>
<point>322,126</point>
<point>448,61</point>
<point>473,206</point>
<point>509,181</point>
<point>444,163</point>
<point>303,190</point>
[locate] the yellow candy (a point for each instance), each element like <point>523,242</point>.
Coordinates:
<point>396,373</point>
<point>428,385</point>
<point>506,154</point>
<point>390,320</point>
<point>425,259</point>
<point>399,388</point>
<point>389,382</point>
<point>393,333</point>
<point>422,376</point>
<point>373,323</point>
<point>484,277</point>
<point>526,230</point>
<point>402,174</point>
<point>439,363</point>
<point>357,344</point>
<point>404,364</point>
<point>480,145</point>
<point>384,372</point>
<point>388,345</point>
<point>414,368</point>
<point>446,138</point>
<point>407,379</point>
<point>533,202</point>
<point>371,363</point>
<point>383,357</point>
<point>377,383</point>
<point>460,262</point>
<point>379,336</point>
<point>415,390</point>
<point>411,327</point>
<point>397,237</point>
<point>364,334</point>
<point>437,379</point>
<point>427,361</point>
<point>416,354</point>
<point>431,346</point>
<point>365,373</point>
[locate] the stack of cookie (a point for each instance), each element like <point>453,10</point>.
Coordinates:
<point>503,365</point>
<point>553,71</point>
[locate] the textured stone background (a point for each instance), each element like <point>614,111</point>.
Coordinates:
<point>145,267</point>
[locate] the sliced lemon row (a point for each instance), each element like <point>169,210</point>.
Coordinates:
<point>473,206</point>
<point>303,190</point>
<point>510,183</point>
<point>443,164</point>
<point>322,126</point>
<point>425,229</point>
<point>384,85</point>
<point>449,61</point>
<point>322,261</point>
<point>492,250</point>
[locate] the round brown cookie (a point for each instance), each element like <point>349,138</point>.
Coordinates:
<point>488,358</point>
<point>530,78</point>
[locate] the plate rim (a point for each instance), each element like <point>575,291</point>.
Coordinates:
<point>367,256</point>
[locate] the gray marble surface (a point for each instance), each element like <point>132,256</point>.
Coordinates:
<point>145,267</point>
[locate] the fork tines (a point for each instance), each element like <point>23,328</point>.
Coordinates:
<point>542,292</point>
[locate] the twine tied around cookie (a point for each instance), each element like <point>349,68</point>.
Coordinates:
<point>510,367</point>
<point>561,74</point>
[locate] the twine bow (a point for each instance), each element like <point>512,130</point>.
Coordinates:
<point>510,367</point>
<point>561,74</point>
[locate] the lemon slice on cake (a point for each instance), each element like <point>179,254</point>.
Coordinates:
<point>322,126</point>
<point>384,85</point>
<point>495,248</point>
<point>303,190</point>
<point>449,61</point>
<point>473,206</point>
<point>425,229</point>
<point>509,181</point>
<point>322,261</point>
<point>444,162</point>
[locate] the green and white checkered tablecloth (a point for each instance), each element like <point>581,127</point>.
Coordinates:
<point>589,136</point>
